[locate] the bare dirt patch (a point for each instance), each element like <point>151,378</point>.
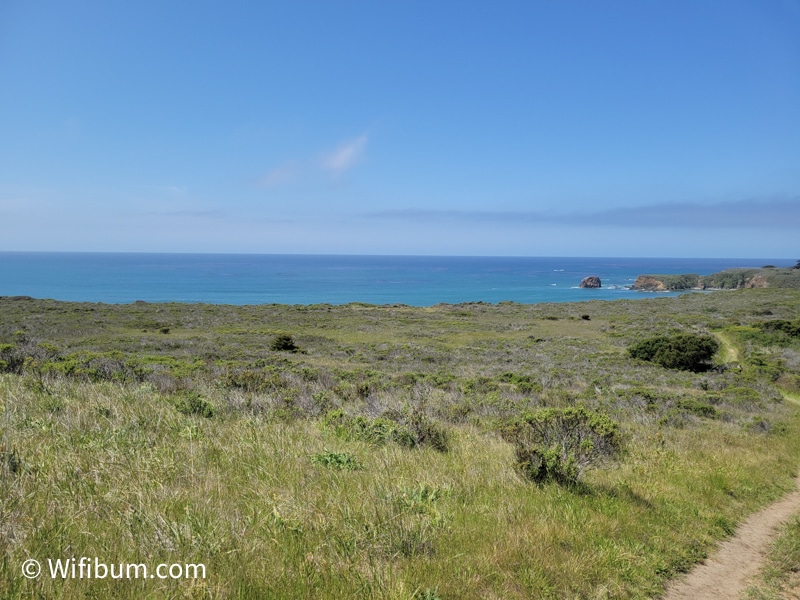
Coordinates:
<point>727,573</point>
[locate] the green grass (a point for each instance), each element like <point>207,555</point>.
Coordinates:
<point>220,451</point>
<point>780,574</point>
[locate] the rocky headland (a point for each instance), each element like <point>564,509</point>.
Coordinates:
<point>730,279</point>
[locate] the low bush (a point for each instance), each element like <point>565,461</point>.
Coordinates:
<point>425,431</point>
<point>341,461</point>
<point>373,431</point>
<point>684,351</point>
<point>250,380</point>
<point>283,342</point>
<point>411,428</point>
<point>696,407</point>
<point>192,403</point>
<point>560,444</point>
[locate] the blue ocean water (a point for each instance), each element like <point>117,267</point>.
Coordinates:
<point>310,279</point>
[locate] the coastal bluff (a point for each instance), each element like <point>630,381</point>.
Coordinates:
<point>730,279</point>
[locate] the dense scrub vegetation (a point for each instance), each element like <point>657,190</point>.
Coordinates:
<point>685,351</point>
<point>456,451</point>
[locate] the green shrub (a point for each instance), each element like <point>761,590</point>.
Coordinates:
<point>684,351</point>
<point>427,594</point>
<point>373,431</point>
<point>410,429</point>
<point>425,431</point>
<point>778,332</point>
<point>249,380</point>
<point>524,383</point>
<point>765,364</point>
<point>13,356</point>
<point>560,444</point>
<point>701,409</point>
<point>341,461</point>
<point>192,403</point>
<point>283,342</point>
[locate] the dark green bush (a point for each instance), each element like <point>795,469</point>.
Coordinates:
<point>283,342</point>
<point>684,351</point>
<point>560,444</point>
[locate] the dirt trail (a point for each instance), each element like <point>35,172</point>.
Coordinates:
<point>726,574</point>
<point>731,353</point>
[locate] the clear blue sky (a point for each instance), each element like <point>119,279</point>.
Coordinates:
<point>539,128</point>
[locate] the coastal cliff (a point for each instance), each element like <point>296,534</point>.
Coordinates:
<point>667,283</point>
<point>731,279</point>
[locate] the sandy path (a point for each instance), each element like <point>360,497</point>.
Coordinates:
<point>726,573</point>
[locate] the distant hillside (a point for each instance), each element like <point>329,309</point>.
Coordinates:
<point>730,279</point>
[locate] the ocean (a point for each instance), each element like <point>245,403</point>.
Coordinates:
<point>317,279</point>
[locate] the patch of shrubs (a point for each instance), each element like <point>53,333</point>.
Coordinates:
<point>249,380</point>
<point>524,383</point>
<point>192,403</point>
<point>411,429</point>
<point>764,364</point>
<point>560,444</point>
<point>696,407</point>
<point>372,431</point>
<point>778,332</point>
<point>683,351</point>
<point>425,431</point>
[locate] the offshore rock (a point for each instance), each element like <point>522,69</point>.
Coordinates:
<point>590,282</point>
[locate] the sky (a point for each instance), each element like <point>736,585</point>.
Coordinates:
<point>663,128</point>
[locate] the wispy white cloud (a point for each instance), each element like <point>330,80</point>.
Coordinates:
<point>345,155</point>
<point>335,162</point>
<point>281,175</point>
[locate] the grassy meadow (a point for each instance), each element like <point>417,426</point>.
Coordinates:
<point>362,451</point>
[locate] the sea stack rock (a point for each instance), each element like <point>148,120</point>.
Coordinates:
<point>591,282</point>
